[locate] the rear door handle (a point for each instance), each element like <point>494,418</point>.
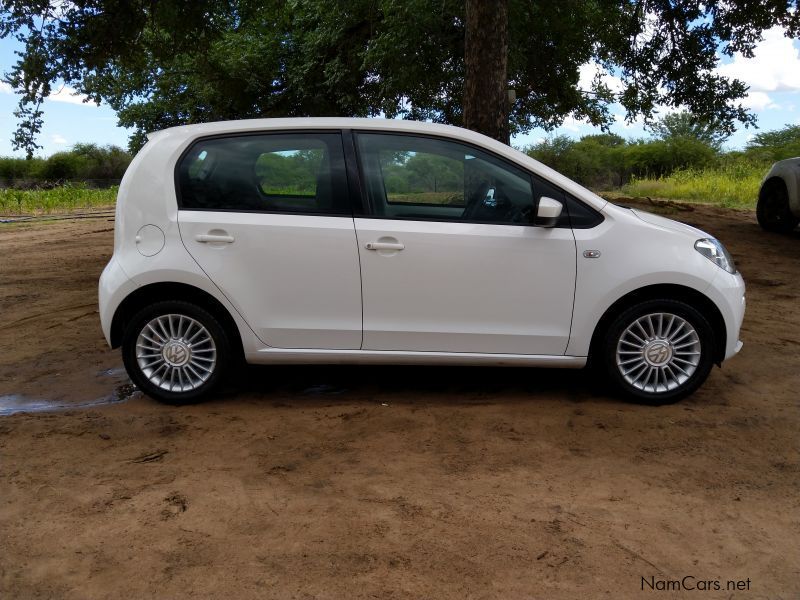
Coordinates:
<point>384,246</point>
<point>208,238</point>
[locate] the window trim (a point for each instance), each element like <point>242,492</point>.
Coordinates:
<point>355,185</point>
<point>293,131</point>
<point>359,201</point>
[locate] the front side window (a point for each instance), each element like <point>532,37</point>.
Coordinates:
<point>411,177</point>
<point>292,173</point>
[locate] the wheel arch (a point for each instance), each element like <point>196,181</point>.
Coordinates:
<point>665,292</point>
<point>787,173</point>
<point>157,292</point>
<point>772,180</point>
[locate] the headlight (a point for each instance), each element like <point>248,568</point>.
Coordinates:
<point>714,251</point>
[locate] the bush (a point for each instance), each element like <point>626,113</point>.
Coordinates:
<point>607,160</point>
<point>594,160</point>
<point>19,168</point>
<point>661,157</point>
<point>99,162</point>
<point>61,166</point>
<point>84,162</point>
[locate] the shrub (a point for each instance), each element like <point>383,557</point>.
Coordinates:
<point>661,157</point>
<point>102,162</point>
<point>61,166</point>
<point>607,160</point>
<point>19,168</point>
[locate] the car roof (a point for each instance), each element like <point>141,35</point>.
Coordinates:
<point>245,125</point>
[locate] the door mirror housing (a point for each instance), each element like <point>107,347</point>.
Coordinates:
<point>547,212</point>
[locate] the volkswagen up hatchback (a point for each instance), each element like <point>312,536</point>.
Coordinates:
<point>396,242</point>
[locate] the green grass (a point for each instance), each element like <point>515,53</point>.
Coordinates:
<point>730,186</point>
<point>60,199</point>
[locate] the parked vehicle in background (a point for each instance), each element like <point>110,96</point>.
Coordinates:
<point>373,241</point>
<point>779,199</point>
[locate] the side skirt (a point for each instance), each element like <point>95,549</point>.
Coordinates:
<point>268,356</point>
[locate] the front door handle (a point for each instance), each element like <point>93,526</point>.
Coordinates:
<point>209,238</point>
<point>384,246</point>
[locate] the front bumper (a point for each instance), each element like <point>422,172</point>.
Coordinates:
<point>728,293</point>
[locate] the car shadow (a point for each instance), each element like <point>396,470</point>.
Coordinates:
<point>447,384</point>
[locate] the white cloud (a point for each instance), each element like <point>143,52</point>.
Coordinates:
<point>619,119</point>
<point>572,124</point>
<point>58,139</point>
<point>758,101</point>
<point>775,66</point>
<point>69,95</point>
<point>6,88</point>
<point>590,71</point>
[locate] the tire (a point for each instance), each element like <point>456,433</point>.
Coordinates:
<point>658,364</point>
<point>773,212</point>
<point>175,351</point>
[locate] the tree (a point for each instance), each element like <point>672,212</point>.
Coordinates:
<point>171,62</point>
<point>685,124</point>
<point>788,135</point>
<point>486,68</point>
<point>775,145</point>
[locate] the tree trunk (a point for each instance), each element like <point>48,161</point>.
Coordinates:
<point>486,102</point>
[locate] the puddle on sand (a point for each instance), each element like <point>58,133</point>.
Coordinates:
<point>115,372</point>
<point>11,404</point>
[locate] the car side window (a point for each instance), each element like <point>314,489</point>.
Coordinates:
<point>419,178</point>
<point>286,173</point>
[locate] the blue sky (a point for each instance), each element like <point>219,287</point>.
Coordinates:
<point>773,75</point>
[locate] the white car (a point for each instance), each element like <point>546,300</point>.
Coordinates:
<point>778,206</point>
<point>396,242</point>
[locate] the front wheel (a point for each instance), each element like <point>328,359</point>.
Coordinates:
<point>175,351</point>
<point>658,351</point>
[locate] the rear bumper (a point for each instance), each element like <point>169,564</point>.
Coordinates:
<point>113,288</point>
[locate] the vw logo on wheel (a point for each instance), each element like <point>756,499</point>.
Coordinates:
<point>176,354</point>
<point>658,353</point>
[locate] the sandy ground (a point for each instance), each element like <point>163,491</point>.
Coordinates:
<point>388,482</point>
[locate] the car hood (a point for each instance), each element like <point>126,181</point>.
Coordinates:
<point>660,221</point>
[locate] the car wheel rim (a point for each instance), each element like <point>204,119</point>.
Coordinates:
<point>658,352</point>
<point>176,353</point>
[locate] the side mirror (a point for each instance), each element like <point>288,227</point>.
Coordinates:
<point>548,212</point>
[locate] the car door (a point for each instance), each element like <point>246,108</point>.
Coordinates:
<point>268,218</point>
<point>450,261</point>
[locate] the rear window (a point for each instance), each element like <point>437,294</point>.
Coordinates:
<point>285,173</point>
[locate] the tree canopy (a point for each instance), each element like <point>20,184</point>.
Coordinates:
<point>171,62</point>
<point>685,124</point>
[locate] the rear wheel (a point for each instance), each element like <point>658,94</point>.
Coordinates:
<point>773,210</point>
<point>175,351</point>
<point>658,351</point>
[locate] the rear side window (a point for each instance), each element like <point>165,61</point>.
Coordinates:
<point>285,173</point>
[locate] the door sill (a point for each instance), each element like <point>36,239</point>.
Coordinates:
<point>402,357</point>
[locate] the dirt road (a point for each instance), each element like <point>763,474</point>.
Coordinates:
<point>389,482</point>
